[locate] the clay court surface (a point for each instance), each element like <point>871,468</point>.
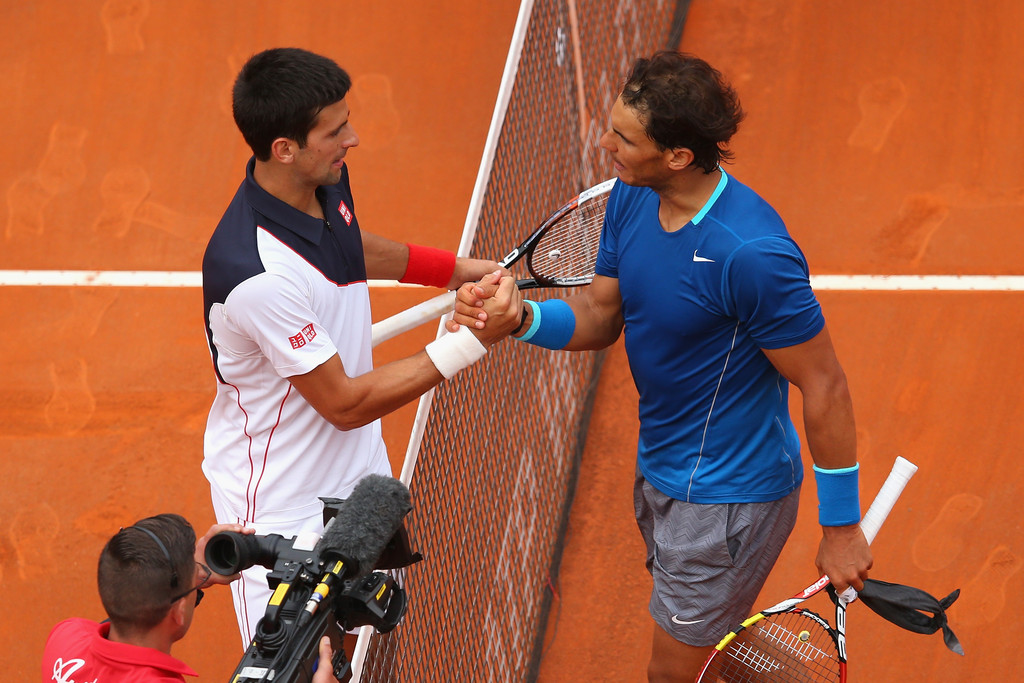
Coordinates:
<point>887,134</point>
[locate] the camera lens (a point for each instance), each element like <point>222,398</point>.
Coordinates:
<point>229,552</point>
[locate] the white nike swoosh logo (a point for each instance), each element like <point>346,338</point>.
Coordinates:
<point>701,259</point>
<point>684,623</point>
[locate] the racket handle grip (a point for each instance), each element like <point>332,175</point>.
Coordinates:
<point>412,317</point>
<point>894,484</point>
<point>902,471</point>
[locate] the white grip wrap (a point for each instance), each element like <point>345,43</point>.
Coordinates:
<point>455,351</point>
<point>902,471</point>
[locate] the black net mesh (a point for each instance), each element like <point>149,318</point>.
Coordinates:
<point>496,467</point>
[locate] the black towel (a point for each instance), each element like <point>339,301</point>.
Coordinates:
<point>910,608</point>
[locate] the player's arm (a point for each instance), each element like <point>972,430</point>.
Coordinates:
<point>832,439</point>
<point>390,260</point>
<point>590,320</point>
<point>596,312</point>
<point>349,402</point>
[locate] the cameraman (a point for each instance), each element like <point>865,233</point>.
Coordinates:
<point>151,577</point>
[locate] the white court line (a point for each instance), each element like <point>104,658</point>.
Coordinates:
<point>945,283</point>
<point>181,278</point>
<point>121,278</point>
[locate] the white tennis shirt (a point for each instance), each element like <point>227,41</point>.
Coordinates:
<point>284,292</point>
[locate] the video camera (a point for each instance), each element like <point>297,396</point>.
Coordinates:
<point>323,585</point>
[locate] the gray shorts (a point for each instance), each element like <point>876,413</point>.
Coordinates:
<point>709,562</point>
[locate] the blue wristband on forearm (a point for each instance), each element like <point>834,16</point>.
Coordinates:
<point>552,326</point>
<point>838,495</point>
<point>534,321</point>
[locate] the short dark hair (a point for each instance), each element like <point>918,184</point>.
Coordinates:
<point>280,92</point>
<point>684,102</point>
<point>139,573</point>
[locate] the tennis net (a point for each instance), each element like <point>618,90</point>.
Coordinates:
<point>493,457</point>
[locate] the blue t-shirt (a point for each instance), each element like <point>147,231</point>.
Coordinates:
<point>699,304</point>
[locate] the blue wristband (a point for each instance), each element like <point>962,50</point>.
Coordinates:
<point>534,323</point>
<point>838,495</point>
<point>552,326</point>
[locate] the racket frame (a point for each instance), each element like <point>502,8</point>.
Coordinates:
<point>871,523</point>
<point>443,303</point>
<point>527,247</point>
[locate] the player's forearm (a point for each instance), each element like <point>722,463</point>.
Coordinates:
<point>578,323</point>
<point>417,264</point>
<point>352,402</point>
<point>388,388</point>
<point>829,425</point>
<point>597,326</point>
<point>827,408</point>
<point>843,554</point>
<point>385,258</point>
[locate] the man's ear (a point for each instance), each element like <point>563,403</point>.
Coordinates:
<point>679,158</point>
<point>178,612</point>
<point>283,150</point>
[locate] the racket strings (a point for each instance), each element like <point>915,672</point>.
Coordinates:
<point>568,248</point>
<point>788,647</point>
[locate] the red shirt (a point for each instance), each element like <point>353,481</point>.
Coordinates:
<point>78,651</point>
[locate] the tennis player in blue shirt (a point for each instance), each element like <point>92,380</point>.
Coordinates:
<point>714,299</point>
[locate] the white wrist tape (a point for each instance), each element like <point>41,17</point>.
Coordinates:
<point>455,351</point>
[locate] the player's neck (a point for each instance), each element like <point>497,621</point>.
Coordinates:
<point>684,196</point>
<point>283,185</point>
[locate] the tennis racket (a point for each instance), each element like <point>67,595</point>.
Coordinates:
<point>788,643</point>
<point>560,253</point>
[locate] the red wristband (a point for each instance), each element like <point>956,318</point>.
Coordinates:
<point>429,266</point>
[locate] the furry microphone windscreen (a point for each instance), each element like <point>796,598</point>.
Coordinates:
<point>367,521</point>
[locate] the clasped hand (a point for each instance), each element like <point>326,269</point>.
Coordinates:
<point>492,307</point>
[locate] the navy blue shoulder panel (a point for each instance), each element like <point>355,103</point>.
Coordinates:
<point>332,246</point>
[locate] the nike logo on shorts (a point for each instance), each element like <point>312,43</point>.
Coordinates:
<point>676,620</point>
